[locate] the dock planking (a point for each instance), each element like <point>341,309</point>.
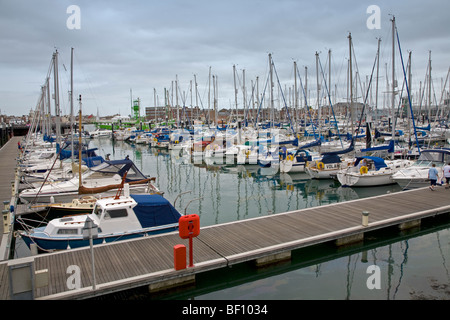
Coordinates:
<point>149,260</point>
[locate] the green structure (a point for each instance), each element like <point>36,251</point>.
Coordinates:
<point>136,109</point>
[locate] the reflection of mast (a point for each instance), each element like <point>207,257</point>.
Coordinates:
<point>350,276</point>
<point>390,272</point>
<point>442,255</point>
<point>405,260</point>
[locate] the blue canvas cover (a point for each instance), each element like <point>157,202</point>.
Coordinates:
<point>154,210</point>
<point>377,161</point>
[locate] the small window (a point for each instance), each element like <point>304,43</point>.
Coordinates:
<point>97,211</point>
<point>119,213</point>
<point>68,231</point>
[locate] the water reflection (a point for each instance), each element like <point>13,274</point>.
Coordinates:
<point>413,265</point>
<point>226,193</point>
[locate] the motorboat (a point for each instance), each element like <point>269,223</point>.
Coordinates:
<point>114,219</point>
<point>369,171</point>
<point>416,175</point>
<point>100,133</point>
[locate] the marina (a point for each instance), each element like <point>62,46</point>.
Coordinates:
<point>228,241</point>
<point>271,188</point>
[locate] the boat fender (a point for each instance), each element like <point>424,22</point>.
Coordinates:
<point>363,170</point>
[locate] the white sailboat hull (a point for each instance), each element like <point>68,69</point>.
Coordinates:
<point>369,179</point>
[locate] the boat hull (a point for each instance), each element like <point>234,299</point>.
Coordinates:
<point>321,174</point>
<point>46,243</point>
<point>364,180</point>
<point>67,196</point>
<point>411,183</point>
<point>289,166</point>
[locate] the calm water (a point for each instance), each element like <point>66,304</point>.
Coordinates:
<point>413,265</point>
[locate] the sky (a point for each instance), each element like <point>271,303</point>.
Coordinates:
<point>125,50</point>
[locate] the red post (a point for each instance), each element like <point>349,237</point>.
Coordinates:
<point>179,256</point>
<point>191,254</point>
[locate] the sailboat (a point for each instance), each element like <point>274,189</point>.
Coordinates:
<point>103,179</point>
<point>330,164</point>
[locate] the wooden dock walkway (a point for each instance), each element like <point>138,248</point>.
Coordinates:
<point>8,163</point>
<point>149,260</point>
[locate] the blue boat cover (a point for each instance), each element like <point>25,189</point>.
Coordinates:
<point>389,148</point>
<point>377,161</point>
<point>154,210</point>
<point>93,161</point>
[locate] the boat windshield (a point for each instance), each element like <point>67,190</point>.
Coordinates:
<point>428,163</point>
<point>436,156</point>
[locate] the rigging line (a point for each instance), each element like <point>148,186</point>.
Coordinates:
<point>261,102</point>
<point>407,89</point>
<point>247,110</point>
<point>282,95</point>
<point>56,158</point>
<point>421,98</point>
<point>367,94</point>
<point>306,104</point>
<point>329,99</point>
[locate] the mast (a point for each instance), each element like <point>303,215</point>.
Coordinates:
<point>295,98</point>
<point>393,80</point>
<point>329,79</point>
<point>209,96</point>
<point>196,95</point>
<point>429,86</point>
<point>351,80</point>
<point>378,72</point>
<point>244,93</point>
<point>154,102</point>
<point>235,91</point>
<point>318,97</point>
<point>56,88</point>
<point>131,101</point>
<point>306,96</point>
<point>176,97</point>
<point>79,146</point>
<point>71,105</point>
<point>408,110</point>
<point>271,91</point>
